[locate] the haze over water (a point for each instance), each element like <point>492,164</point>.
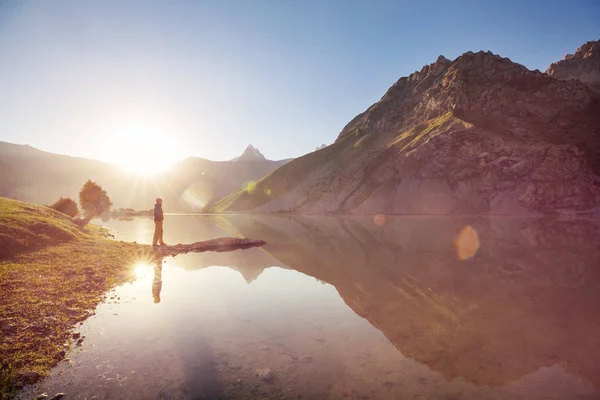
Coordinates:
<point>357,308</point>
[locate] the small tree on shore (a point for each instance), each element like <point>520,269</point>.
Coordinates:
<point>66,206</point>
<point>93,200</point>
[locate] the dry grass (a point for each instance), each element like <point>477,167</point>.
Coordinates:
<point>52,275</point>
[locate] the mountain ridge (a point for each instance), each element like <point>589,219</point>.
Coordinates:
<point>30,174</point>
<point>583,65</point>
<point>480,134</point>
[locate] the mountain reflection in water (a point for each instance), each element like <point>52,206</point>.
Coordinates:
<point>529,298</point>
<point>484,301</point>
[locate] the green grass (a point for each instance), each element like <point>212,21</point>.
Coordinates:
<point>425,131</point>
<point>29,227</point>
<point>52,275</point>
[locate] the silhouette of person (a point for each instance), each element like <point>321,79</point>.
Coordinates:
<point>158,223</point>
<point>157,281</point>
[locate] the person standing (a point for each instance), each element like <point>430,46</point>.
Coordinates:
<point>158,223</point>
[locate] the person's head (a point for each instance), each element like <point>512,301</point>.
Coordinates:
<point>159,201</point>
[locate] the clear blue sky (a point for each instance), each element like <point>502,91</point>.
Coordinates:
<point>84,77</point>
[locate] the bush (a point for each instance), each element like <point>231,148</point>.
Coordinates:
<point>93,200</point>
<point>66,206</point>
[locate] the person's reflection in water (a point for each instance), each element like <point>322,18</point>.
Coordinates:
<point>157,281</point>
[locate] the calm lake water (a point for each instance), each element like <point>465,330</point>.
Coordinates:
<point>350,308</point>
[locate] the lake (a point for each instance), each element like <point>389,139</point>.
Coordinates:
<point>374,307</point>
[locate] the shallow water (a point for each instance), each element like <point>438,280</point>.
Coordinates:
<point>350,308</point>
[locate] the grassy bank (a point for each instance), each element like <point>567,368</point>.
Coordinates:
<point>52,275</point>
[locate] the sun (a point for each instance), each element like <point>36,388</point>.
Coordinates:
<point>145,149</point>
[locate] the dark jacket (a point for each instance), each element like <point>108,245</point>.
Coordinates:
<point>158,212</point>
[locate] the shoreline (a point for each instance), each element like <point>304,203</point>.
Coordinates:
<point>46,292</point>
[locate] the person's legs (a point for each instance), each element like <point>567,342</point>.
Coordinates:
<point>157,228</point>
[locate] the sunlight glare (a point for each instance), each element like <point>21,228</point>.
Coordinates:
<point>142,270</point>
<point>145,149</point>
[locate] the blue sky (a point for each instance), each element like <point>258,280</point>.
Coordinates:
<point>206,78</point>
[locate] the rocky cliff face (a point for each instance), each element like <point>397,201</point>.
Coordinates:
<point>480,134</point>
<point>584,65</point>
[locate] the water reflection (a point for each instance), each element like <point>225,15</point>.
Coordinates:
<point>512,295</point>
<point>384,307</point>
<point>157,281</point>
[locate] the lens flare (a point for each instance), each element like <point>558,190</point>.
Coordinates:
<point>197,196</point>
<point>250,187</point>
<point>466,243</point>
<point>379,219</point>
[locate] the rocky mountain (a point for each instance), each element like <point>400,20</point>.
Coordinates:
<point>584,65</point>
<point>479,134</point>
<point>250,154</point>
<point>192,184</point>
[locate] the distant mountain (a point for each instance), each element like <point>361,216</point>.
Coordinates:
<point>321,147</point>
<point>479,134</point>
<point>37,176</point>
<point>250,154</point>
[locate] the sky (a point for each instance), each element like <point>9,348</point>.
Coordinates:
<point>155,81</point>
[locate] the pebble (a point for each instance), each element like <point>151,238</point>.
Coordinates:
<point>265,374</point>
<point>305,359</point>
<point>30,376</point>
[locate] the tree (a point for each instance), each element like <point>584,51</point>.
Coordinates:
<point>66,206</point>
<point>93,200</point>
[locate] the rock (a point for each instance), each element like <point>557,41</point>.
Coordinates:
<point>305,359</point>
<point>42,396</point>
<point>584,65</point>
<point>76,335</point>
<point>218,244</point>
<point>265,374</point>
<point>29,377</point>
<point>58,396</point>
<point>60,355</point>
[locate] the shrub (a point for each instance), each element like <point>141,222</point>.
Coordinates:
<point>66,206</point>
<point>93,200</point>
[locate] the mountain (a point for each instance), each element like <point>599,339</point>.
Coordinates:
<point>250,154</point>
<point>584,65</point>
<point>37,176</point>
<point>479,134</point>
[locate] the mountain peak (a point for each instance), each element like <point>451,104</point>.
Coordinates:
<point>250,154</point>
<point>583,65</point>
